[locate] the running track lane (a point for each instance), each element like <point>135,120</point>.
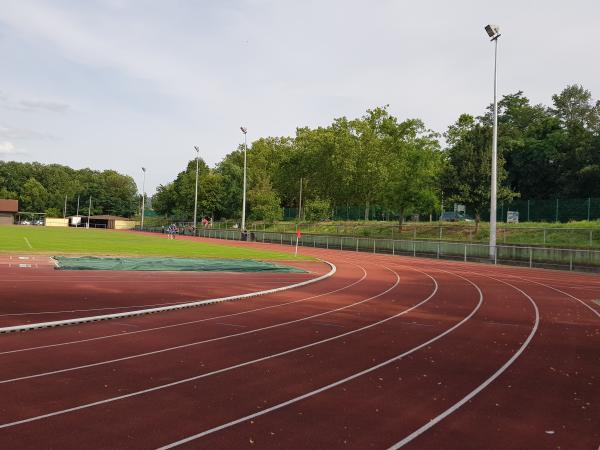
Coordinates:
<point>230,435</point>
<point>42,294</point>
<point>378,346</point>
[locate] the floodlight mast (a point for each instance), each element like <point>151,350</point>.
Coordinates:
<point>196,194</point>
<point>143,197</point>
<point>493,32</point>
<point>245,131</point>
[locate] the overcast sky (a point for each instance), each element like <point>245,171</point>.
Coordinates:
<point>122,84</point>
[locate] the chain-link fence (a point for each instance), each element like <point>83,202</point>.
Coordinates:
<point>535,210</point>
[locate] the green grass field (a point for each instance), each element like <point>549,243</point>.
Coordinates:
<point>63,241</point>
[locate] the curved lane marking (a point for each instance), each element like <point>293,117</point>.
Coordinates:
<point>226,369</point>
<point>336,383</point>
<point>191,344</point>
<point>140,312</point>
<point>483,385</point>
<point>592,309</point>
<point>191,322</point>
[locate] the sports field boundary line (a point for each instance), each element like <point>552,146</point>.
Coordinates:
<point>142,312</point>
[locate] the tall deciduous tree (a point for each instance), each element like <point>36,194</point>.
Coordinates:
<point>467,174</point>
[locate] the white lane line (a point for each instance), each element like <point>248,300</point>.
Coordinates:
<point>114,308</point>
<point>562,292</point>
<point>334,384</point>
<point>528,280</point>
<point>482,386</point>
<point>232,325</point>
<point>28,243</point>
<point>191,322</point>
<point>192,344</point>
<point>139,312</point>
<point>227,369</point>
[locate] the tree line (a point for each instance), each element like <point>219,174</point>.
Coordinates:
<point>404,167</point>
<point>43,187</point>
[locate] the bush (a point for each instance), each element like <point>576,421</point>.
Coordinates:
<point>317,209</point>
<point>53,212</point>
<point>265,206</point>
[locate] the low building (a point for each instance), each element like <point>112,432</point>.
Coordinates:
<point>56,222</point>
<point>8,210</point>
<point>107,221</point>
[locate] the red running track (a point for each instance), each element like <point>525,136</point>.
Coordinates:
<point>389,352</point>
<point>33,292</point>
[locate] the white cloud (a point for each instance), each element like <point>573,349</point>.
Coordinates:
<point>33,105</point>
<point>133,48</point>
<point>8,149</point>
<point>23,134</point>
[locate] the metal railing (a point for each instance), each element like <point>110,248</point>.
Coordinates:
<point>526,256</point>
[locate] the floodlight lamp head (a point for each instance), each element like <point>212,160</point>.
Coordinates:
<point>244,130</point>
<point>493,31</point>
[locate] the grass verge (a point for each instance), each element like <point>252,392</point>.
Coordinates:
<point>63,241</point>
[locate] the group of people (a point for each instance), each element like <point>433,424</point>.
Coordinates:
<point>171,231</point>
<point>207,222</point>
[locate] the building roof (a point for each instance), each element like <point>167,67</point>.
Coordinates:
<point>107,217</point>
<point>11,206</point>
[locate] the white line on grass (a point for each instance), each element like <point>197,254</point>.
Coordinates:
<point>28,243</point>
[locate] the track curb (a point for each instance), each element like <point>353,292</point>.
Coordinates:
<point>142,312</point>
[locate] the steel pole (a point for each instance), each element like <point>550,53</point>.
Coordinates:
<point>89,212</point>
<point>196,194</point>
<point>494,181</point>
<point>143,197</point>
<point>77,224</point>
<point>244,198</point>
<point>300,203</point>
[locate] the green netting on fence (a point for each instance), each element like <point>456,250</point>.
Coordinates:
<point>533,210</point>
<point>169,264</point>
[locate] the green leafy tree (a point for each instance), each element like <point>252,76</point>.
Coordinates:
<point>53,212</point>
<point>467,174</point>
<point>413,162</point>
<point>264,204</point>
<point>317,209</point>
<point>34,196</point>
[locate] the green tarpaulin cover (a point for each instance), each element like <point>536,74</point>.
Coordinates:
<point>169,264</point>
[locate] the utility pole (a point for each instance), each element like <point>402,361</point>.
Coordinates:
<point>89,213</point>
<point>65,208</point>
<point>77,220</point>
<point>245,131</point>
<point>143,197</point>
<point>300,202</point>
<point>196,194</point>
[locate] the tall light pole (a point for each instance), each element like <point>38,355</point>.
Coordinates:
<point>244,130</point>
<point>196,194</point>
<point>493,32</point>
<point>89,212</point>
<point>143,197</point>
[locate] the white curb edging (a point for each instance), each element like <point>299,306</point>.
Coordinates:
<point>141,312</point>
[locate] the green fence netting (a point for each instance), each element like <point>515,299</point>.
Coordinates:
<point>169,264</point>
